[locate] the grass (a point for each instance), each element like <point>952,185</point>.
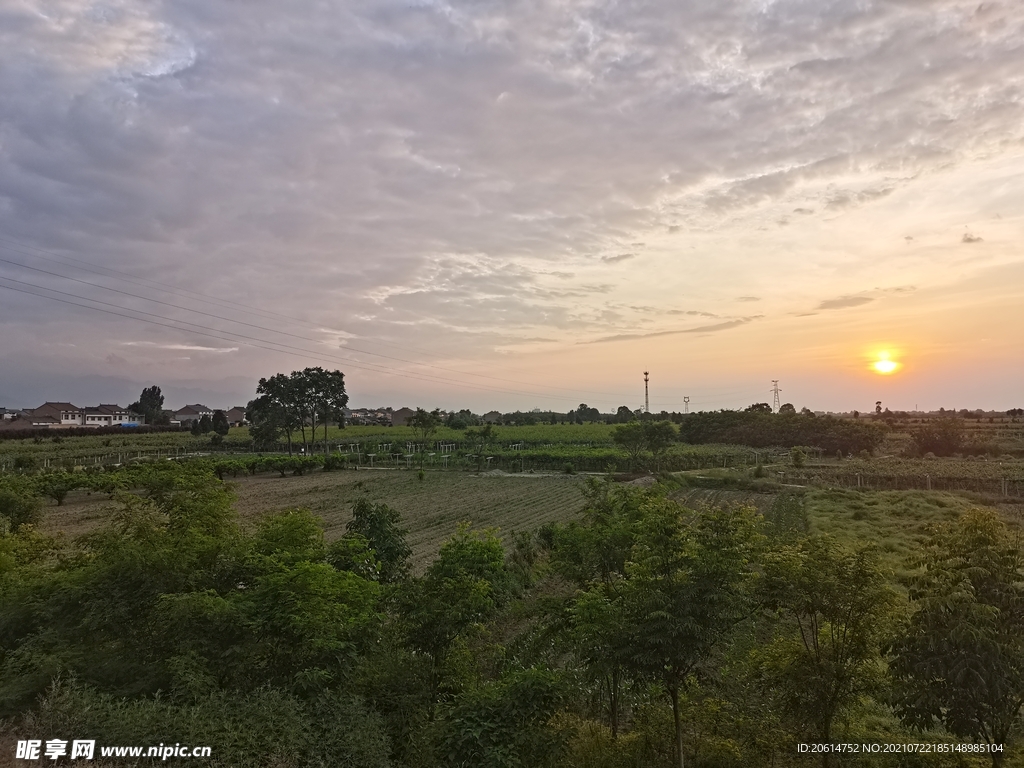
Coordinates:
<point>431,508</point>
<point>898,522</point>
<point>695,497</point>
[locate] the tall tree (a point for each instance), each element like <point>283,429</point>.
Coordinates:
<point>276,406</point>
<point>266,421</point>
<point>686,589</point>
<point>425,424</point>
<point>961,660</point>
<point>659,436</point>
<point>220,423</point>
<point>319,396</point>
<point>380,526</point>
<point>639,437</point>
<point>462,587</point>
<point>593,556</point>
<point>150,405</point>
<point>482,437</point>
<point>632,439</point>
<point>836,610</point>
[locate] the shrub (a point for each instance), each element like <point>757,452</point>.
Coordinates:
<point>19,505</point>
<point>334,461</point>
<point>249,730</point>
<point>25,463</point>
<point>799,458</point>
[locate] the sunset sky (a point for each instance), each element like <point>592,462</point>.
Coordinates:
<point>506,204</point>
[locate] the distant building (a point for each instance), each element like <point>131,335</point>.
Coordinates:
<point>368,416</point>
<point>192,413</point>
<point>57,415</point>
<point>236,416</point>
<point>109,415</point>
<point>401,417</point>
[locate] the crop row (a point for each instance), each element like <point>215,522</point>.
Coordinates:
<point>937,469</point>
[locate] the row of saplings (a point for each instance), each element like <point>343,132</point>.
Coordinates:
<point>642,634</point>
<point>57,484</point>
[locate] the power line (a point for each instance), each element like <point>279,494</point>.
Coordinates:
<point>141,281</point>
<point>149,284</point>
<point>251,341</point>
<point>292,335</point>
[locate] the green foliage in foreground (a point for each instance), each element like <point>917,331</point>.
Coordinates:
<point>643,633</point>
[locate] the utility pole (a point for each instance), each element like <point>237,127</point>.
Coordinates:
<point>647,399</point>
<point>686,404</point>
<point>775,389</point>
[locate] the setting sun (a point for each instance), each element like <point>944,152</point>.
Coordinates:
<point>884,365</point>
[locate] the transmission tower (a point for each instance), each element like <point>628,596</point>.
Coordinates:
<point>647,399</point>
<point>686,404</point>
<point>775,390</point>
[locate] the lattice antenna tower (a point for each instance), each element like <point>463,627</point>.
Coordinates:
<point>686,404</point>
<point>647,398</point>
<point>775,390</point>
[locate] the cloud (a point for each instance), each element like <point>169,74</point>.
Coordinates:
<point>724,326</point>
<point>693,312</point>
<point>969,238</point>
<point>844,302</point>
<point>748,298</point>
<point>432,176</point>
<point>178,347</point>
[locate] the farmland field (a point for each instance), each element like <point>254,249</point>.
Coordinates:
<point>898,522</point>
<point>431,509</point>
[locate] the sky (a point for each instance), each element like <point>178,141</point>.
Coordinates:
<point>514,204</point>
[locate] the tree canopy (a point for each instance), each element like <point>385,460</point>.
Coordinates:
<point>150,405</point>
<point>312,397</point>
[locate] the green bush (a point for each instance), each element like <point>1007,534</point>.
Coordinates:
<point>799,457</point>
<point>334,461</point>
<point>265,727</point>
<point>25,463</point>
<point>19,504</point>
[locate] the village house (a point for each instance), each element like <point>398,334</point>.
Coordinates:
<point>192,413</point>
<point>57,415</point>
<point>236,416</point>
<point>400,418</point>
